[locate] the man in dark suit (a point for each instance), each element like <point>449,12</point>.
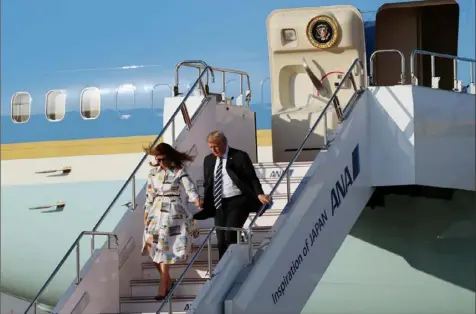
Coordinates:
<point>232,189</point>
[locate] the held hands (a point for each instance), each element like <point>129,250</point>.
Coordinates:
<point>198,203</point>
<point>265,199</point>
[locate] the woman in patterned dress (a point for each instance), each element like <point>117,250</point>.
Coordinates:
<point>168,223</point>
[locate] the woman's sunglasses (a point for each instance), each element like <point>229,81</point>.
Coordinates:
<point>160,159</point>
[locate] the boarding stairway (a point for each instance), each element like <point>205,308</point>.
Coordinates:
<point>279,275</point>
<point>315,206</point>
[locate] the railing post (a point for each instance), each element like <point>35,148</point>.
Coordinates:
<point>35,305</point>
<point>78,262</point>
<point>250,247</point>
<point>337,108</point>
<point>352,81</point>
<point>455,72</point>
<point>223,83</point>
<point>209,252</point>
<point>241,85</point>
<point>92,244</point>
<point>173,131</point>
<point>471,88</point>
<point>471,72</point>
<point>326,140</point>
<point>133,203</point>
<point>288,184</point>
<point>432,66</point>
<point>403,64</point>
<point>170,305</point>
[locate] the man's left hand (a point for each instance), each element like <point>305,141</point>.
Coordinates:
<point>265,199</point>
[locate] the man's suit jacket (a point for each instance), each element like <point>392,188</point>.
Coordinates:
<point>242,173</point>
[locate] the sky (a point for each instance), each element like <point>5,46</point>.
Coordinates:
<point>41,38</point>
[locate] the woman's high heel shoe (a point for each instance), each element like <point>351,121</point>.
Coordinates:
<point>171,286</point>
<point>159,297</point>
<point>162,297</point>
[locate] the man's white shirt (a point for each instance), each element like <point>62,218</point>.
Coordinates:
<point>229,188</point>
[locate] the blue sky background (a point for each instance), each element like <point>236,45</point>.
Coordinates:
<point>43,39</point>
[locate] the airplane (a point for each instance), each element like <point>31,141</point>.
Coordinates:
<point>71,132</point>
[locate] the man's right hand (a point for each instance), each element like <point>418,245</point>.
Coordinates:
<point>265,199</point>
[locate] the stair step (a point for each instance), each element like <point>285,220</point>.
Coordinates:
<point>259,234</point>
<point>268,184</point>
<point>270,164</point>
<point>149,304</point>
<point>149,287</point>
<point>268,218</point>
<point>150,272</point>
<point>203,256</point>
<point>274,170</point>
<point>198,270</point>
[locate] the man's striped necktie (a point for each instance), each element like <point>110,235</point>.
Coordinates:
<point>218,186</point>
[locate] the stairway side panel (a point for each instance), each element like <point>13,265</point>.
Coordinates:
<point>336,190</point>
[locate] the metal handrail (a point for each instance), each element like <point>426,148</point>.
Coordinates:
<point>144,158</point>
<point>285,173</point>
<point>402,57</point>
<point>197,64</point>
<point>191,63</point>
<point>78,267</point>
<point>208,242</point>
<point>182,107</point>
<point>347,76</point>
<point>472,63</point>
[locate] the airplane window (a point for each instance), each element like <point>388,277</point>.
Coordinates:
<point>90,104</point>
<point>21,107</point>
<point>125,99</point>
<point>55,105</point>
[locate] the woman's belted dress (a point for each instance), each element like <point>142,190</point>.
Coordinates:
<point>169,225</point>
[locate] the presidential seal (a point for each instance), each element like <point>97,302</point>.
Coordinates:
<point>322,32</point>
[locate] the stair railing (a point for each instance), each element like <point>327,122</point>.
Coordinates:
<point>208,243</point>
<point>402,64</point>
<point>78,261</point>
<point>286,173</point>
<point>200,67</point>
<point>348,76</point>
<point>132,178</point>
<point>433,55</point>
<point>181,108</point>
